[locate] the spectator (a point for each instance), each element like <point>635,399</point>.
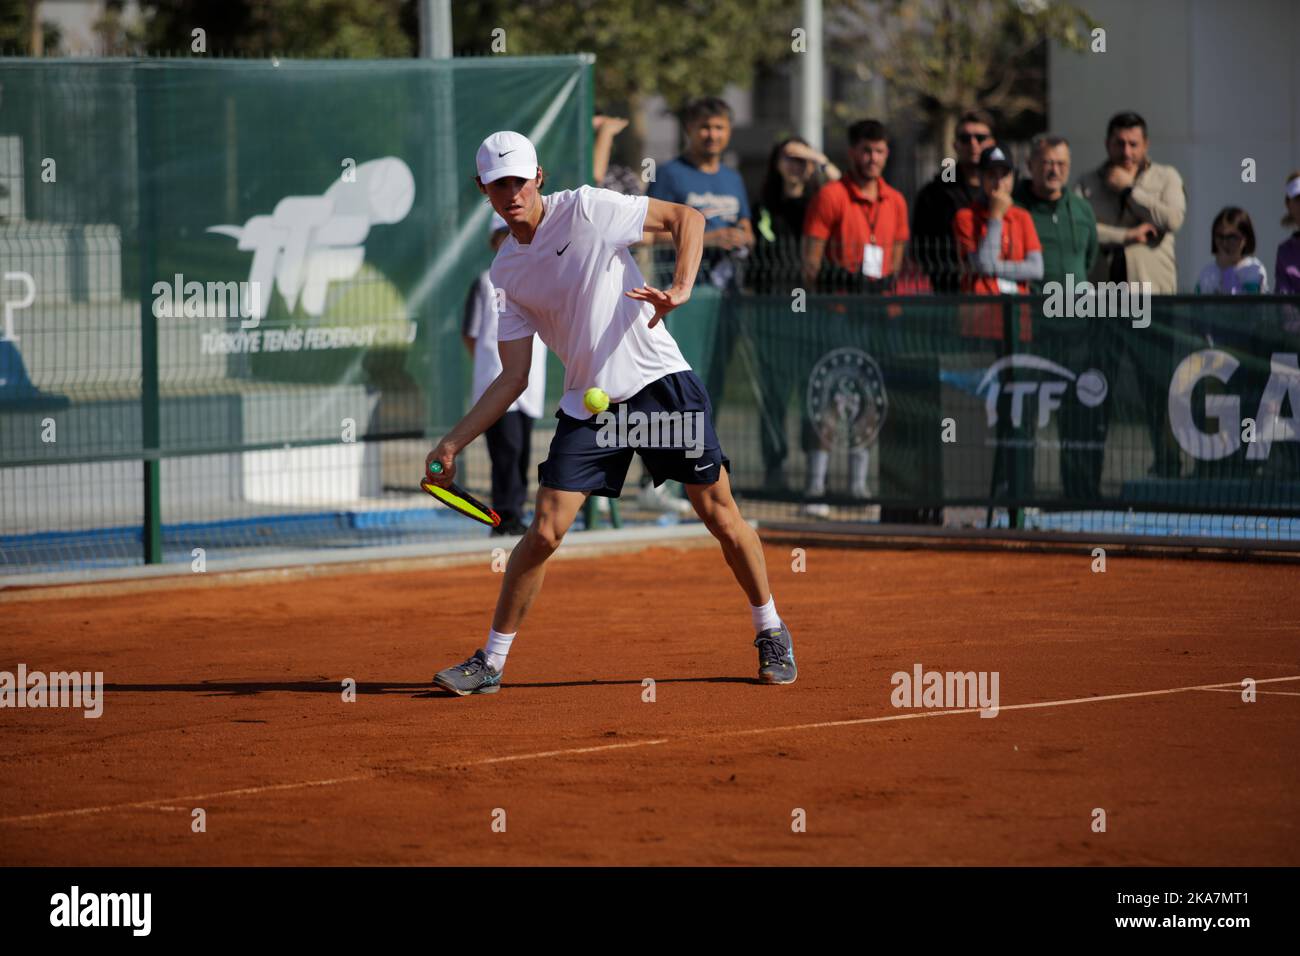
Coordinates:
<point>509,440</point>
<point>618,178</point>
<point>699,179</point>
<point>855,233</point>
<point>856,228</point>
<point>938,201</point>
<point>1235,270</point>
<point>1139,206</point>
<point>1067,231</point>
<point>1286,281</point>
<point>999,248</point>
<point>795,171</point>
<point>997,240</point>
<point>1066,226</point>
<point>1287,271</point>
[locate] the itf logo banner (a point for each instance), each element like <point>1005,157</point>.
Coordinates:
<point>307,242</point>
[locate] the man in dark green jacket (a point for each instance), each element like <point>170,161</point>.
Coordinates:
<point>1067,230</point>
<point>1065,222</point>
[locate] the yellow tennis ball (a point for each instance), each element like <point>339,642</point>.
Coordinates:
<point>596,400</point>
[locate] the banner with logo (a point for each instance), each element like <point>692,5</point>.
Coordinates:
<point>296,237</point>
<point>977,402</point>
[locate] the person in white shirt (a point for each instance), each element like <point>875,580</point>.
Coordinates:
<point>566,275</point>
<point>1235,270</point>
<point>510,439</point>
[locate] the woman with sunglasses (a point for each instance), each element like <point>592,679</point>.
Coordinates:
<point>795,171</point>
<point>1235,270</point>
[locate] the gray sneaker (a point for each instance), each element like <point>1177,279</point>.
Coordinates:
<point>475,676</point>
<point>776,656</point>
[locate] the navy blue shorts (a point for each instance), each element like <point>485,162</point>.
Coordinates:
<point>669,423</point>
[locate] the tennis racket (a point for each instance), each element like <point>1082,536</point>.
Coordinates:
<point>458,499</point>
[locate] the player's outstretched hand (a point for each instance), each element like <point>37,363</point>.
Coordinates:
<point>447,455</point>
<point>664,301</point>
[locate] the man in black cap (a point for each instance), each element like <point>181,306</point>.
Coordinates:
<point>999,246</point>
<point>955,186</point>
<point>996,239</point>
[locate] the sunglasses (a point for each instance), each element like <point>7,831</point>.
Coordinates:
<point>973,137</point>
<point>1229,237</point>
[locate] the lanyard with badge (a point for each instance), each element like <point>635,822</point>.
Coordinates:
<point>873,256</point>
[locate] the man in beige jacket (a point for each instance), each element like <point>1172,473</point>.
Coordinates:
<point>1139,206</point>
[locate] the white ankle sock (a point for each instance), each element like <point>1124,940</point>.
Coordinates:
<point>497,647</point>
<point>765,617</point>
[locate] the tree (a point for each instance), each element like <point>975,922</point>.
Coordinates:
<point>303,28</point>
<point>946,55</point>
<point>119,35</point>
<point>23,33</point>
<point>679,50</point>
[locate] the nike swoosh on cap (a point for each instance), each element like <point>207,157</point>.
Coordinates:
<point>506,153</point>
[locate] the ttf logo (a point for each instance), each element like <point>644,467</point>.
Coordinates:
<point>307,242</point>
<point>1089,387</point>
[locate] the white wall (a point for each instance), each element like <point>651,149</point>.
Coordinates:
<point>1217,81</point>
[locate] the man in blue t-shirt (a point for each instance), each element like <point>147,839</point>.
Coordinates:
<point>698,179</point>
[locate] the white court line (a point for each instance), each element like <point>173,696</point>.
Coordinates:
<point>356,778</point>
<point>164,802</point>
<point>554,753</point>
<point>1275,693</point>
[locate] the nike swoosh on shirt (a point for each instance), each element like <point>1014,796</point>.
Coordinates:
<point>560,252</point>
<point>702,467</point>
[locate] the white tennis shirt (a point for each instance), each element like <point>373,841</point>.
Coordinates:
<point>567,285</point>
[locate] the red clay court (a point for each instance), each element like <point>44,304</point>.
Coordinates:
<point>1119,691</point>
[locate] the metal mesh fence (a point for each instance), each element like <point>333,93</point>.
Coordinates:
<point>232,295</point>
<point>1172,415</point>
<point>232,291</point>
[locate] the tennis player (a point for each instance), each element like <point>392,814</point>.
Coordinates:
<point>565,273</point>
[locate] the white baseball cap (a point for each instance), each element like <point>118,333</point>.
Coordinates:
<point>506,154</point>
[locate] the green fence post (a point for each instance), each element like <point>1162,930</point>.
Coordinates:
<point>146,234</point>
<point>1017,456</point>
